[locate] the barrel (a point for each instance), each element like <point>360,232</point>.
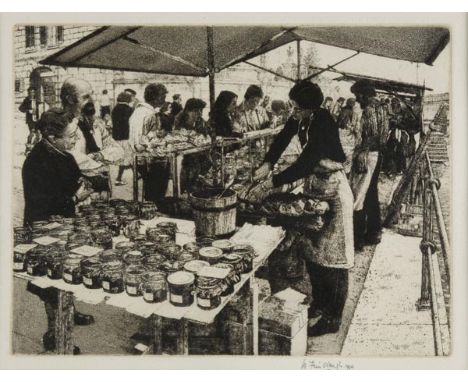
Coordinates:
<point>214,215</point>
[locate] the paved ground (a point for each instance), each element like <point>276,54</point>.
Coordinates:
<point>386,321</point>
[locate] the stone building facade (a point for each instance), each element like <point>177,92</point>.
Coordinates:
<point>34,43</point>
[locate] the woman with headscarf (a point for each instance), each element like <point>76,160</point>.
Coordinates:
<point>348,124</point>
<point>329,253</point>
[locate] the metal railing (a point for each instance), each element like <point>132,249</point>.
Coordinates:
<point>432,293</point>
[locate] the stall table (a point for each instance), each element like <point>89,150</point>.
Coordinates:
<point>175,157</point>
<point>156,312</point>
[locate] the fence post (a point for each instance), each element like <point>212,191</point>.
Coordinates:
<point>424,302</point>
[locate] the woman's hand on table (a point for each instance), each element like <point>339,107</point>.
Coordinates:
<point>263,171</point>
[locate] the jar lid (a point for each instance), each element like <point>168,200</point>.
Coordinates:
<point>167,225</point>
<point>112,264</point>
<point>195,265</point>
<point>125,245</point>
<point>211,252</point>
<point>181,278</point>
<point>233,258</point>
<point>222,244</point>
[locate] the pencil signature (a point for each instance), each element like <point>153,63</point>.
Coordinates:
<point>308,364</point>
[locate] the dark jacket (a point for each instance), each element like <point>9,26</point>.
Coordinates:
<point>319,138</point>
<point>50,180</point>
<point>26,107</point>
<point>120,116</point>
<point>222,125</point>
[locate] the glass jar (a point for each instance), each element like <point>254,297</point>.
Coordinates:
<point>236,261</point>
<point>115,203</point>
<point>72,269</point>
<point>91,272</point>
<point>148,210</point>
<point>171,251</point>
<point>112,276</point>
<point>181,286</point>
<point>131,227</point>
<point>154,261</point>
<point>186,256</point>
<point>38,228</point>
<point>20,254</point>
<point>247,252</point>
<point>22,235</point>
<point>154,287</point>
<point>78,238</point>
<point>133,278</point>
<point>209,291</point>
<point>36,261</point>
<point>133,258</point>
<point>112,222</point>
<point>124,247</point>
<point>231,279</point>
<point>225,245</point>
<point>210,254</point>
<point>110,254</point>
<point>192,247</point>
<point>80,221</point>
<point>55,264</point>
<point>169,228</point>
<point>139,240</point>
<point>102,238</point>
<point>147,248</point>
<point>194,266</point>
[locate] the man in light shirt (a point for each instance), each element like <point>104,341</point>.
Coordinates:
<point>144,125</point>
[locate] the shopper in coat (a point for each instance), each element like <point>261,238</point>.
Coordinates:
<point>52,185</point>
<point>329,253</point>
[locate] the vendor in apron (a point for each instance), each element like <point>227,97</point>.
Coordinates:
<point>328,254</point>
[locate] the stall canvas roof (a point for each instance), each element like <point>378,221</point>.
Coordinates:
<point>183,50</point>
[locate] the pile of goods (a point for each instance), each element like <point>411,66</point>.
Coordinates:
<point>90,250</point>
<point>178,140</point>
<point>298,209</point>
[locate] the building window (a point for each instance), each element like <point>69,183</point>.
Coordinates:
<point>29,30</point>
<point>60,34</point>
<point>17,85</point>
<point>43,34</point>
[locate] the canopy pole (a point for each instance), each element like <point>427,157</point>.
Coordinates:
<point>329,67</point>
<point>211,66</point>
<point>269,71</point>
<point>298,59</point>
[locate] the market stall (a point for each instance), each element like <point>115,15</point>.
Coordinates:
<point>124,242</point>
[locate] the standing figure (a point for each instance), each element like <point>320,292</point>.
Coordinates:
<point>336,109</point>
<point>120,132</point>
<point>367,164</point>
<point>145,124</point>
<point>349,134</point>
<point>222,120</point>
<point>250,114</point>
<point>105,104</point>
<point>196,164</point>
<point>29,107</point>
<point>329,253</point>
